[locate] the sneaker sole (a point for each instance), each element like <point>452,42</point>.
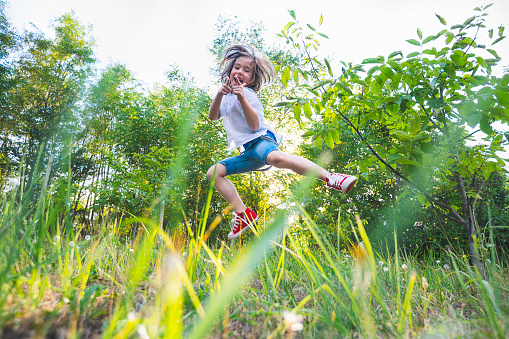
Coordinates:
<point>349,184</point>
<point>244,229</point>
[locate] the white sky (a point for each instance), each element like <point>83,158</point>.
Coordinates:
<point>150,35</point>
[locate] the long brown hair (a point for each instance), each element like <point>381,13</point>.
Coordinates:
<point>263,70</point>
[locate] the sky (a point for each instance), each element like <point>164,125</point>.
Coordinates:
<point>149,36</point>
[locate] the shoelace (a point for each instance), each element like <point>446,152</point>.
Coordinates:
<point>336,180</point>
<point>236,222</point>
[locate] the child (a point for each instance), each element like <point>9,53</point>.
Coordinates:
<point>243,71</point>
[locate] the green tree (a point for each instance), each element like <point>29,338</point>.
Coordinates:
<point>49,78</point>
<point>422,104</point>
<point>8,44</point>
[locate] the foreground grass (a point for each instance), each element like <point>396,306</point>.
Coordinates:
<point>265,285</point>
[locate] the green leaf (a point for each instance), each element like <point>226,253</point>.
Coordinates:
<point>283,103</point>
<point>308,134</point>
<point>323,35</point>
<point>296,76</point>
<point>296,112</point>
<point>501,31</point>
<point>393,54</point>
<point>411,55</point>
<point>505,80</point>
<point>473,119</point>
<point>311,27</point>
<point>435,103</point>
<point>336,136</point>
<point>404,161</point>
<point>292,13</point>
<point>288,25</point>
<point>285,76</point>
<point>485,125</point>
<point>481,62</point>
<point>329,141</point>
<point>401,135</point>
<point>372,60</point>
<point>498,40</point>
<point>413,42</point>
<point>320,21</point>
<point>328,66</point>
<point>442,20</point>
<point>307,110</point>
<point>428,39</point>
<point>373,70</point>
<point>402,194</point>
<point>419,33</point>
<point>422,136</point>
<point>422,199</point>
<point>469,20</point>
<point>494,53</point>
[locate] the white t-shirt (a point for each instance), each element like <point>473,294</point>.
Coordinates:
<point>234,122</point>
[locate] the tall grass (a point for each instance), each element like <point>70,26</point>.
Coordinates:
<point>194,287</point>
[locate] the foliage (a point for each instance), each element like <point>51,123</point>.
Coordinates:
<point>49,77</point>
<point>421,106</point>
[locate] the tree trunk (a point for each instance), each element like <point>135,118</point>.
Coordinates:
<point>469,225</point>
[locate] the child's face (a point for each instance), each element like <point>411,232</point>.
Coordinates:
<point>242,71</point>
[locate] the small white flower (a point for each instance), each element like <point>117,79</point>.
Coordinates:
<point>66,301</point>
<point>438,261</point>
<point>131,250</point>
<point>404,266</point>
<point>293,321</point>
<point>131,316</point>
<point>87,237</point>
<point>446,266</point>
<point>184,254</point>
<point>381,263</point>
<point>488,260</point>
<point>297,327</point>
<point>142,332</point>
<point>54,243</point>
<point>57,238</point>
<point>353,288</point>
<point>386,269</point>
<point>110,234</point>
<point>71,243</point>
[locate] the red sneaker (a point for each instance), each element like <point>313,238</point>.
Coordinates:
<point>241,222</point>
<point>340,182</point>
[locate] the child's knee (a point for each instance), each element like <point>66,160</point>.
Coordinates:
<point>276,159</point>
<point>218,169</point>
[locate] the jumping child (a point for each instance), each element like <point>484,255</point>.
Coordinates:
<point>243,71</point>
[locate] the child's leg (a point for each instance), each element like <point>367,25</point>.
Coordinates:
<point>226,188</point>
<point>297,164</point>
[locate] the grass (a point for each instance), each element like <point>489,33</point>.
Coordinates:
<point>59,283</point>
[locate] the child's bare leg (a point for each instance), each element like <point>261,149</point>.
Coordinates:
<point>226,188</point>
<point>297,164</point>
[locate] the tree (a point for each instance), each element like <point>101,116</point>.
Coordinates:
<point>8,44</point>
<point>424,105</point>
<point>49,77</point>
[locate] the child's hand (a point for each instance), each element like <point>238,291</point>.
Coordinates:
<point>238,88</point>
<point>225,89</point>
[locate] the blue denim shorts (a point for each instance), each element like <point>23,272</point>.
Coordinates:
<point>254,156</point>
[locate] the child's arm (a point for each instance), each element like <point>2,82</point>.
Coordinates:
<point>216,103</point>
<point>250,114</point>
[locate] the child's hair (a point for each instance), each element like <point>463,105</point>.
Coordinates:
<point>263,70</point>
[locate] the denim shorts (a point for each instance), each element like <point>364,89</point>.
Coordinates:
<point>254,156</point>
